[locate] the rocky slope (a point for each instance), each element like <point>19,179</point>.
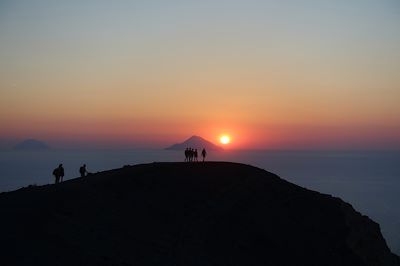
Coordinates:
<point>185,214</point>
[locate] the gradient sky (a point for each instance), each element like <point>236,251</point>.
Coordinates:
<point>300,74</point>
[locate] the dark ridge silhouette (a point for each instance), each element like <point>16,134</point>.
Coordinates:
<point>212,213</point>
<point>195,142</point>
<point>31,145</point>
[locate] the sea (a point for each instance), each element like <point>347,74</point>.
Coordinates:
<point>368,180</point>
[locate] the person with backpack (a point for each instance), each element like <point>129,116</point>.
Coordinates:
<point>61,169</point>
<point>56,176</point>
<point>59,173</point>
<point>83,171</point>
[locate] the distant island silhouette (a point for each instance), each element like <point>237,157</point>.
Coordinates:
<point>31,145</point>
<point>195,142</point>
<point>211,213</point>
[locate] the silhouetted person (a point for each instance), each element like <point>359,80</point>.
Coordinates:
<point>186,154</point>
<point>204,154</point>
<point>191,154</point>
<point>195,155</point>
<point>82,170</point>
<point>61,172</point>
<point>58,173</point>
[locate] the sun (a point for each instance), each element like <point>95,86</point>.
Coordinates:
<point>225,139</point>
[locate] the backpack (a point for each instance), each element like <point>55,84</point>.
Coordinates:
<point>55,172</point>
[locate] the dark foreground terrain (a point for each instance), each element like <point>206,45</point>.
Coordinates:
<point>184,214</point>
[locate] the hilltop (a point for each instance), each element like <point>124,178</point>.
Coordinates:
<point>214,213</point>
<point>31,145</point>
<point>195,142</point>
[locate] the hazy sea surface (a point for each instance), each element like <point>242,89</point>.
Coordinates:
<point>370,181</point>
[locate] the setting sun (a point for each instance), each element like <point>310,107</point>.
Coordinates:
<point>225,139</point>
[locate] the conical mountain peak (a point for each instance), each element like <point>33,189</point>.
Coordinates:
<point>195,142</point>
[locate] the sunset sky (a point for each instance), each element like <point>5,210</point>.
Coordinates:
<point>296,74</point>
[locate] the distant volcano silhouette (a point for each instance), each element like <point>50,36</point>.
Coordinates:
<point>31,145</point>
<point>195,142</point>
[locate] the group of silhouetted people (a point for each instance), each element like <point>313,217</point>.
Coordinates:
<point>59,172</point>
<point>191,155</point>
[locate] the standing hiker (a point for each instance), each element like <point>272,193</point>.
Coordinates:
<point>58,173</point>
<point>61,172</point>
<point>82,170</point>
<point>204,154</point>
